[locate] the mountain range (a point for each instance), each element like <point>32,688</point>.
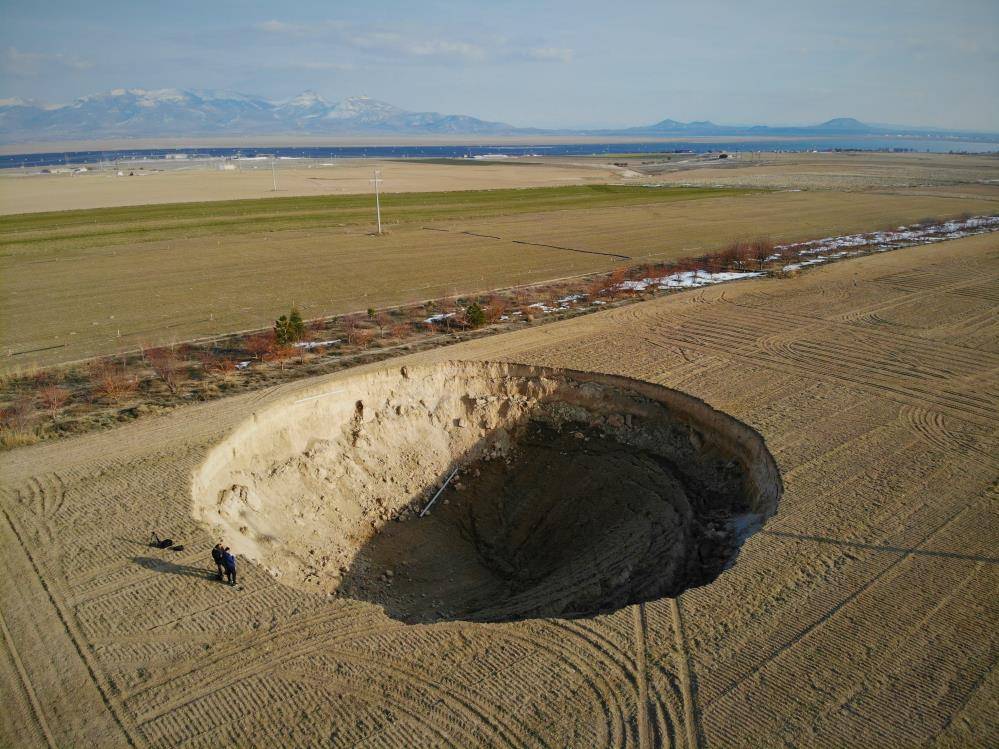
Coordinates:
<point>141,113</point>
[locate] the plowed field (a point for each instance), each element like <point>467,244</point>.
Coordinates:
<point>863,613</point>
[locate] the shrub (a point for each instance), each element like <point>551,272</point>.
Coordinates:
<point>41,378</point>
<point>617,277</point>
<point>597,287</point>
<point>732,255</point>
<point>788,254</point>
<point>495,309</point>
<point>19,415</point>
<point>167,367</point>
<point>714,263</point>
<point>352,328</point>
<point>608,285</point>
<point>685,265</point>
<point>221,367</point>
<point>11,438</point>
<point>53,397</point>
<point>111,381</point>
<point>761,249</point>
<point>260,345</point>
<point>280,355</point>
<point>475,315</point>
<point>289,328</point>
<point>363,337</point>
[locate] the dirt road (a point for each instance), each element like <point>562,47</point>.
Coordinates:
<point>864,613</point>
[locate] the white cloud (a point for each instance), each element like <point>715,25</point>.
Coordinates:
<point>283,28</point>
<point>389,44</point>
<point>279,27</point>
<point>318,65</point>
<point>551,54</point>
<point>441,48</point>
<point>16,62</point>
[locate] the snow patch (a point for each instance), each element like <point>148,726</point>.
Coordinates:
<point>309,345</point>
<point>686,280</point>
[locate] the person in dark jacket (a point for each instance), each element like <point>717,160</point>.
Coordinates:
<point>229,562</point>
<point>218,551</point>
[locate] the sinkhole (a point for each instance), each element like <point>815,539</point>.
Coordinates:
<point>564,494</point>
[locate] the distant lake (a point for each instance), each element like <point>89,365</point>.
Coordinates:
<point>547,149</point>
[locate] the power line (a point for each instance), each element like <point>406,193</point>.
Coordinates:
<point>376,180</point>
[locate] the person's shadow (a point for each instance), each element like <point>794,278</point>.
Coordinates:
<point>162,565</point>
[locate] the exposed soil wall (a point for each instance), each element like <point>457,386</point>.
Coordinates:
<point>575,492</point>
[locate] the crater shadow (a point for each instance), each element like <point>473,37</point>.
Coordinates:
<point>566,522</point>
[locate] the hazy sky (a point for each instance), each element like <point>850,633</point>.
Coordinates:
<point>579,63</point>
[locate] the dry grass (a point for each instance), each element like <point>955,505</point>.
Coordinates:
<point>11,438</point>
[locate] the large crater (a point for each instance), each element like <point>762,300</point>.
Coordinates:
<point>573,493</point>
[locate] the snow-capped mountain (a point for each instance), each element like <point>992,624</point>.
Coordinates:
<point>173,113</point>
<point>306,105</point>
<point>366,111</point>
<point>136,112</point>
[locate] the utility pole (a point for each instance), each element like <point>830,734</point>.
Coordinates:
<point>274,173</point>
<point>376,180</point>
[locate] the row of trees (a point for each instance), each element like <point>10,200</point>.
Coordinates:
<point>172,370</point>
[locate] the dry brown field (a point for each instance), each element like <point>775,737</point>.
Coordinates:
<point>25,193</point>
<point>864,613</point>
<point>22,193</point>
<point>821,171</point>
<point>72,295</point>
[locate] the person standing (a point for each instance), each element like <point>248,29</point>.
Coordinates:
<point>229,562</point>
<point>218,551</point>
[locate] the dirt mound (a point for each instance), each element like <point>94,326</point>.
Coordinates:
<point>572,493</point>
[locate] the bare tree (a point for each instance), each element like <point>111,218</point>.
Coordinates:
<point>280,355</point>
<point>53,397</point>
<point>401,330</point>
<point>167,367</point>
<point>352,328</point>
<point>221,367</point>
<point>260,345</point>
<point>495,308</point>
<point>363,337</point>
<point>19,415</point>
<point>112,381</point>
